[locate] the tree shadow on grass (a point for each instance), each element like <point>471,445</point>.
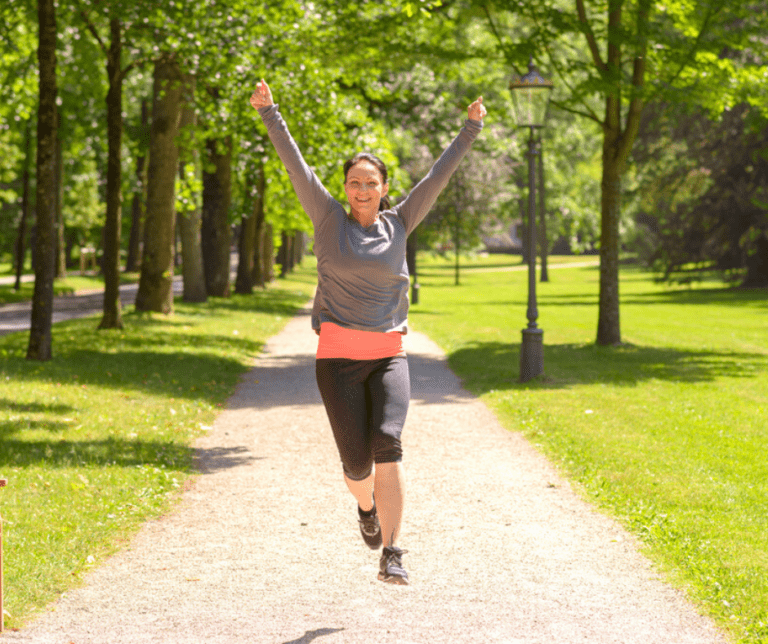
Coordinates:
<point>486,366</point>
<point>34,407</point>
<point>168,374</point>
<point>94,453</point>
<point>720,296</point>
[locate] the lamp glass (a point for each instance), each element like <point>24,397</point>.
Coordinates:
<point>531,102</point>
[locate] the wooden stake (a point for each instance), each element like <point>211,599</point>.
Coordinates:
<point>3,483</point>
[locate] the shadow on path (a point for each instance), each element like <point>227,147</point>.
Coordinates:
<point>311,636</point>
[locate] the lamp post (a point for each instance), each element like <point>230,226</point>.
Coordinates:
<point>531,97</point>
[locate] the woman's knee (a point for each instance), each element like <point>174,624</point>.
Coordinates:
<point>358,470</point>
<point>387,448</point>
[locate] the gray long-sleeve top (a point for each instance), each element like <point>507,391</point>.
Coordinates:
<point>362,273</point>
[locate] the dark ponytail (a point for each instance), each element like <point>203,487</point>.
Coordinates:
<point>384,203</point>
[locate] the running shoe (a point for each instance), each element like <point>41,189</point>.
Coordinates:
<point>391,566</point>
<point>370,528</point>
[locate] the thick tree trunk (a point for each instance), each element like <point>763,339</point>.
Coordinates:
<point>217,189</point>
<point>22,236</point>
<point>110,266</point>
<point>608,327</point>
<point>457,249</point>
<point>137,209</point>
<point>285,253</point>
<point>190,220</point>
<point>156,282</point>
<point>250,243</point>
<point>42,302</point>
<point>246,255</point>
<point>61,264</point>
<point>299,243</point>
<point>258,249</point>
<point>757,265</point>
<point>268,255</point>
<point>543,241</point>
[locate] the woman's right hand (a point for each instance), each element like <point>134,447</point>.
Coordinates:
<point>262,97</point>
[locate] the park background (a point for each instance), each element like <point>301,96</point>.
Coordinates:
<point>129,149</point>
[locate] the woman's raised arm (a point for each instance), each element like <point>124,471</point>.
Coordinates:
<point>416,205</point>
<point>314,198</point>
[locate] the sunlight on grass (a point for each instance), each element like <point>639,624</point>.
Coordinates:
<point>98,440</point>
<point>666,432</point>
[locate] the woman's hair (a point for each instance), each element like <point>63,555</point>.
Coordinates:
<point>384,203</point>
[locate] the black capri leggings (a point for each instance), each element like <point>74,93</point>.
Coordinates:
<point>367,402</point>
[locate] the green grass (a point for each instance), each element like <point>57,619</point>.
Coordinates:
<point>668,432</point>
<point>97,440</point>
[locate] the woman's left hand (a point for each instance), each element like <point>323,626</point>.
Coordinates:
<point>477,110</point>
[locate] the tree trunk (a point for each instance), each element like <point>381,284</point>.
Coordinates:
<point>298,248</point>
<point>246,255</point>
<point>543,242</point>
<point>757,265</point>
<point>608,328</point>
<point>249,260</point>
<point>457,248</point>
<point>156,281</point>
<point>285,253</point>
<point>134,241</point>
<point>217,189</point>
<point>189,220</point>
<point>259,233</point>
<point>22,237</point>
<point>268,256</point>
<point>61,264</point>
<point>110,266</point>
<point>42,302</point>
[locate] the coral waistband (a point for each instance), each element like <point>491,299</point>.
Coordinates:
<point>338,342</point>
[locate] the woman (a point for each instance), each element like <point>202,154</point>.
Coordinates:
<point>360,313</point>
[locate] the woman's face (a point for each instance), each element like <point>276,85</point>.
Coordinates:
<point>364,189</point>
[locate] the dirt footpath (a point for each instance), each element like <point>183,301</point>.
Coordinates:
<point>265,546</point>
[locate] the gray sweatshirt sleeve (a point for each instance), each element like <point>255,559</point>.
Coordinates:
<point>416,205</point>
<point>313,196</point>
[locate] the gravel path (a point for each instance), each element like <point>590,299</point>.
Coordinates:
<point>264,546</point>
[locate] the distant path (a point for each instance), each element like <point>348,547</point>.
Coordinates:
<point>264,547</point>
<point>16,317</point>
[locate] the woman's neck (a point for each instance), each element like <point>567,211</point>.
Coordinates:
<point>364,220</point>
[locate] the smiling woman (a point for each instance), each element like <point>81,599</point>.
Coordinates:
<point>361,313</point>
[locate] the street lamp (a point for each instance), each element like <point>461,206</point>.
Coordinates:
<point>531,97</point>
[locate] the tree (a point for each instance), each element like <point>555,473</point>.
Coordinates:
<point>139,192</point>
<point>217,195</point>
<point>112,318</point>
<point>187,209</point>
<point>25,206</point>
<point>610,58</point>
<point>39,347</point>
<point>156,282</point>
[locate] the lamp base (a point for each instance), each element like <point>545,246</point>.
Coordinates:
<point>531,354</point>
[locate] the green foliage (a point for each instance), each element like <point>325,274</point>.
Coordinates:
<point>698,206</point>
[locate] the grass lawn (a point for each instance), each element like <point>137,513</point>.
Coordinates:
<point>97,440</point>
<point>668,432</point>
